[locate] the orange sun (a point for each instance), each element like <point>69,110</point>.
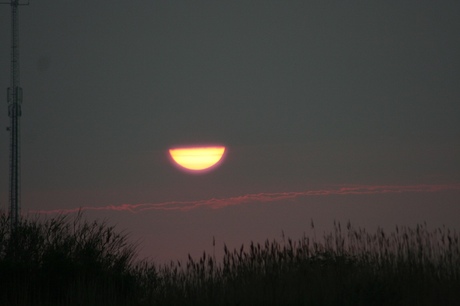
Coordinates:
<point>197,159</point>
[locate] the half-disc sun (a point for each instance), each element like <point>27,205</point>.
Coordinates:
<point>197,159</point>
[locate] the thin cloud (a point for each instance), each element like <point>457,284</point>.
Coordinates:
<point>217,203</point>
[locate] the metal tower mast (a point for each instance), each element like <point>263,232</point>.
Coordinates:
<point>14,112</point>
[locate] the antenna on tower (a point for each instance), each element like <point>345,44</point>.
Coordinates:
<point>14,112</point>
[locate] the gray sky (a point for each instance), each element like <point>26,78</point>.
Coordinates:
<point>306,95</point>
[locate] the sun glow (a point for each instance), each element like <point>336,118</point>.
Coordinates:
<point>197,159</point>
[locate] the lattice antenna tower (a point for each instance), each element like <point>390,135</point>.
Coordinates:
<point>14,94</point>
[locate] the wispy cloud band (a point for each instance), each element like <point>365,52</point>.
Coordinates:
<point>216,203</point>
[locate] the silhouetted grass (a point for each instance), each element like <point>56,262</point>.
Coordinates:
<point>64,261</point>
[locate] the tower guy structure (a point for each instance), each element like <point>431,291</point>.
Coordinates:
<point>14,94</point>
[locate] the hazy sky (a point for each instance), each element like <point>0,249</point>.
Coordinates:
<point>310,98</point>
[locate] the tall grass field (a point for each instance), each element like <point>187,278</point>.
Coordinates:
<point>71,261</point>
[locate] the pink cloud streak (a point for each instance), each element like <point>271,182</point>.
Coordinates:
<point>216,203</point>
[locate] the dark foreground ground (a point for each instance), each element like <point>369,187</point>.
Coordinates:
<point>63,261</point>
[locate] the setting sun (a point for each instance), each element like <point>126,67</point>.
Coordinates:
<point>197,158</point>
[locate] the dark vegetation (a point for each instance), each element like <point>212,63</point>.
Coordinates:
<point>64,261</point>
